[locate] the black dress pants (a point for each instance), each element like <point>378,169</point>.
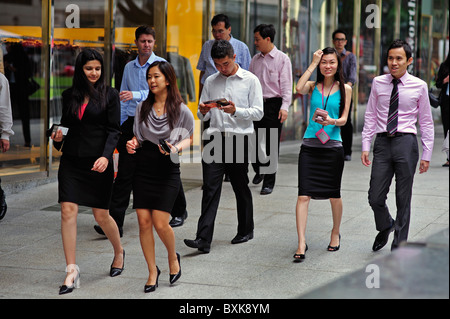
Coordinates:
<point>393,156</point>
<point>122,186</point>
<point>269,121</point>
<point>20,100</point>
<point>213,173</point>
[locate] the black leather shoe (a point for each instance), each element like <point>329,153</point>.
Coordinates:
<point>178,221</point>
<point>258,179</point>
<point>100,231</point>
<point>266,191</point>
<point>238,239</point>
<point>200,244</point>
<point>3,206</point>
<point>382,238</point>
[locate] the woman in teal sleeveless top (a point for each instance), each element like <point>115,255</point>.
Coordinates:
<point>332,107</point>
<point>321,158</point>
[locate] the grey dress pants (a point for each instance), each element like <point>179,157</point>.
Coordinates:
<point>393,156</point>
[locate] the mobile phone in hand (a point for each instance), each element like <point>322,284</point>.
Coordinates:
<point>217,103</point>
<point>55,128</point>
<point>164,145</point>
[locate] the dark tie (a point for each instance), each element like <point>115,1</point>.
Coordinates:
<point>393,109</point>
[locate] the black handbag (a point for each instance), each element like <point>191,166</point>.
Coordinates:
<point>32,86</point>
<point>434,101</point>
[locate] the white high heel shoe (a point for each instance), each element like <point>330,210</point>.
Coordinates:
<point>70,269</point>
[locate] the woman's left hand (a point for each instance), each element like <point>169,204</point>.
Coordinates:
<point>172,148</point>
<point>327,121</point>
<point>100,165</point>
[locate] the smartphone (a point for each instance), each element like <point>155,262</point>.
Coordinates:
<point>55,128</point>
<point>218,102</point>
<point>320,115</point>
<point>164,145</point>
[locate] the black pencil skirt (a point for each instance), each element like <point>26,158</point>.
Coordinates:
<point>156,181</point>
<point>79,184</point>
<point>320,172</point>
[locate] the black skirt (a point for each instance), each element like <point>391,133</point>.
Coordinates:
<point>320,172</point>
<point>156,181</point>
<point>79,184</point>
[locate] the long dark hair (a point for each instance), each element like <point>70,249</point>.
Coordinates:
<point>446,63</point>
<point>173,100</point>
<point>82,87</point>
<point>339,76</point>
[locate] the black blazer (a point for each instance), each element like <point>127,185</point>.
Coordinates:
<point>442,74</point>
<point>98,131</point>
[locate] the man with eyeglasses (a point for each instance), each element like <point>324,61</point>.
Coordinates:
<point>221,30</point>
<point>349,67</point>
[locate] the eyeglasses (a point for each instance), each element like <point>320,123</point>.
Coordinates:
<point>340,40</point>
<point>220,31</point>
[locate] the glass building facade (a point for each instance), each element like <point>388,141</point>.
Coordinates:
<point>39,40</point>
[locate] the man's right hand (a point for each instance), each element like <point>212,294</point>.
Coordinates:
<point>365,158</point>
<point>125,96</point>
<point>4,145</point>
<point>204,108</point>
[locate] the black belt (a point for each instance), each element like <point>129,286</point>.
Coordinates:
<point>273,99</point>
<point>231,134</point>
<point>396,134</point>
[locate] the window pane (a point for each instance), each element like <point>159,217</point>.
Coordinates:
<point>20,61</point>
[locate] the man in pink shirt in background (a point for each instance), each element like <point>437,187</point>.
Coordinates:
<point>274,71</point>
<point>397,101</point>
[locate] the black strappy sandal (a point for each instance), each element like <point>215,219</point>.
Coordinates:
<point>300,257</point>
<point>335,248</point>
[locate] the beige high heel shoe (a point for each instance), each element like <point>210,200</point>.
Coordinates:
<point>71,269</point>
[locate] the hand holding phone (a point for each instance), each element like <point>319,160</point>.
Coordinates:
<point>55,128</point>
<point>217,103</point>
<point>57,132</point>
<point>165,146</point>
<point>320,115</point>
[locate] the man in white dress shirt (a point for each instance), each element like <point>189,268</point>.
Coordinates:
<point>223,154</point>
<point>5,131</point>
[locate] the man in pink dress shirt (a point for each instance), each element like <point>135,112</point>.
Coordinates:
<point>396,153</point>
<point>274,70</point>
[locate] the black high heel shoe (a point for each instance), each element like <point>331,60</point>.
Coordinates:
<point>151,288</point>
<point>175,277</point>
<point>335,248</point>
<point>117,271</point>
<point>64,289</point>
<point>300,257</point>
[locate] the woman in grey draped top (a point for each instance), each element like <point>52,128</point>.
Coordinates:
<point>156,182</point>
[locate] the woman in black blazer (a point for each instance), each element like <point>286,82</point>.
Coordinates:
<point>91,112</point>
<point>442,83</point>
